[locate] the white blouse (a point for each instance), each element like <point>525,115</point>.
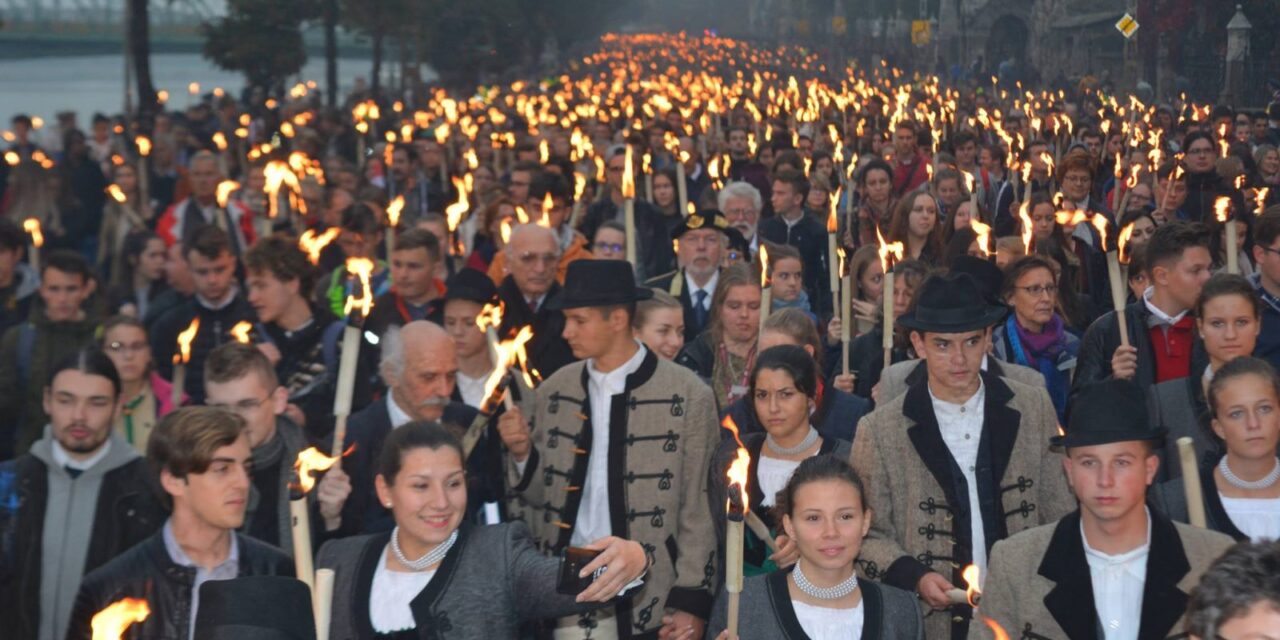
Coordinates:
<point>822,623</point>
<point>391,593</point>
<point>1258,518</point>
<point>772,474</point>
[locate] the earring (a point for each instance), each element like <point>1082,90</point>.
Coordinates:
<point>388,505</point>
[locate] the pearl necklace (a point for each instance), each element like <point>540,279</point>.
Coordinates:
<point>432,557</point>
<point>823,593</point>
<point>1249,485</point>
<point>809,440</point>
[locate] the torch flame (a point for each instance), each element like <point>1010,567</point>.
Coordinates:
<point>984,235</point>
<point>144,145</point>
<point>362,269</point>
<point>996,629</point>
<point>764,266</point>
<point>32,226</point>
<point>1222,208</point>
<point>314,243</point>
<point>225,189</point>
<point>970,575</point>
<point>241,331</point>
<point>509,352</point>
<point>968,181</point>
<point>220,140</point>
<point>887,249</point>
<point>739,468</point>
<point>393,211</point>
<point>456,211</point>
<point>1099,222</point>
<point>184,342</point>
<point>1027,234</point>
<point>628,180</point>
<point>833,222</point>
<point>310,461</point>
<point>1260,196</point>
<point>12,158</point>
<point>547,205</point>
<point>1122,243</point>
<point>116,193</point>
<point>111,623</point>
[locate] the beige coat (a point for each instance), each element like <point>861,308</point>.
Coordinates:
<point>662,433</point>
<point>1039,585</point>
<point>919,496</point>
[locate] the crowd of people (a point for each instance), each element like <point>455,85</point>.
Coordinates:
<point>691,242</point>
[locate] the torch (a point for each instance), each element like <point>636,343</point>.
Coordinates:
<point>970,595</point>
<point>220,141</point>
<point>647,169</point>
<point>323,602</point>
<point>579,188</point>
<point>983,232</point>
<point>973,195</point>
<point>442,138</point>
<point>314,243</point>
<point>241,332</point>
<point>766,291</point>
<point>1129,184</point>
<point>1099,222</point>
<point>495,387</point>
<point>629,208</point>
<point>888,253</point>
<point>833,253</point>
<point>181,359</point>
<point>1260,197</point>
<point>1028,234</point>
<point>455,212</point>
<point>1222,211</point>
<point>489,319</point>
<point>682,186</point>
<point>144,174</point>
<point>32,226</point>
<point>393,220</point>
<point>222,194</point>
<point>1191,482</point>
<point>753,521</point>
<point>309,461</point>
<point>735,513</point>
<point>113,621</point>
<point>362,270</point>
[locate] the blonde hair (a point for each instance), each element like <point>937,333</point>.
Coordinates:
<point>660,300</point>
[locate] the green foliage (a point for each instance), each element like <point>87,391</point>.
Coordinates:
<point>261,39</point>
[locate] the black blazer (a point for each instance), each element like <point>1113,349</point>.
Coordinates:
<point>547,350</point>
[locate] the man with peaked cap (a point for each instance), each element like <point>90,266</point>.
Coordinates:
<point>1113,569</point>
<point>701,240</point>
<point>255,608</point>
<point>618,444</point>
<point>956,463</point>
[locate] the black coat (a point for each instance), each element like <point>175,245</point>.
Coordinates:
<point>653,241</point>
<point>837,415</point>
<point>1103,338</point>
<point>691,326</point>
<point>147,571</point>
<point>809,237</point>
<point>128,511</point>
<point>547,350</point>
<point>215,329</point>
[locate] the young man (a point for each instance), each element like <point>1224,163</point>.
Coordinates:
<point>415,290</point>
<point>407,180</point>
<point>1161,329</point>
<point>361,237</point>
<point>653,242</point>
<point>240,379</point>
<point>1113,569</point>
<point>701,240</point>
<point>622,445</point>
<point>217,304</point>
<point>467,293</point>
<point>18,281</point>
<point>203,459</point>
<point>910,162</point>
<point>82,496</point>
<point>959,461</point>
<point>805,233</point>
<point>300,341</point>
<point>57,328</point>
<point>1266,281</point>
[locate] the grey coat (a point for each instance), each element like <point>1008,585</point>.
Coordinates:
<point>895,380</point>
<point>1180,406</point>
<point>492,580</point>
<point>766,612</point>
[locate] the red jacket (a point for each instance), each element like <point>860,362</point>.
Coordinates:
<point>906,177</point>
<point>170,225</point>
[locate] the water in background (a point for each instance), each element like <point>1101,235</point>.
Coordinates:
<point>89,84</point>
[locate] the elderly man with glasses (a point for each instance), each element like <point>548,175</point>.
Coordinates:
<point>532,259</point>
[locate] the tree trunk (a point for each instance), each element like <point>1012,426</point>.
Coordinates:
<point>138,32</point>
<point>375,81</point>
<point>331,51</point>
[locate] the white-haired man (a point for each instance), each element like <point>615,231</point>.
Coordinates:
<point>741,203</point>
<point>533,256</point>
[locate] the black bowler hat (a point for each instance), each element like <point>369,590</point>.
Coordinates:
<point>470,284</point>
<point>702,219</point>
<point>985,272</point>
<point>1107,411</point>
<point>952,304</point>
<point>598,283</point>
<point>255,608</point>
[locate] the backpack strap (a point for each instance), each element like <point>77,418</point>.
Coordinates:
<point>329,345</point>
<point>26,352</point>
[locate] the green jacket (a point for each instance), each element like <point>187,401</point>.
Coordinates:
<point>22,396</point>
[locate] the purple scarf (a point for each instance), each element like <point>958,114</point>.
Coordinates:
<point>1048,343</point>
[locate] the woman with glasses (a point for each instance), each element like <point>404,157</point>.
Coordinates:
<point>1035,335</point>
<point>610,241</point>
<point>145,397</point>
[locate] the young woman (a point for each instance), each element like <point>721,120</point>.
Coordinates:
<point>1241,478</point>
<point>1035,335</point>
<point>145,397</point>
<point>142,275</point>
<point>659,323</point>
<point>948,190</point>
<point>434,572</point>
<point>1228,320</point>
<point>666,199</point>
<point>917,226</point>
<point>786,280</point>
<point>726,352</point>
<point>119,219</point>
<point>824,514</point>
<point>875,205</point>
<point>866,352</point>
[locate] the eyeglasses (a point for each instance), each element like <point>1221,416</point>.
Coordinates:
<point>244,406</point>
<point>529,258</point>
<point>1036,290</point>
<point>1269,250</point>
<point>614,247</point>
<point>115,346</point>
<point>1199,151</point>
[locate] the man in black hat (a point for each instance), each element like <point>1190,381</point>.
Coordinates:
<point>959,461</point>
<point>255,608</point>
<point>700,239</point>
<point>619,442</point>
<point>1113,569</point>
<point>465,297</point>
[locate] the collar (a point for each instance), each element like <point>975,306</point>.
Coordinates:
<point>218,306</point>
<point>181,558</point>
<point>709,288</point>
<point>64,459</point>
<point>1256,281</point>
<point>1125,559</point>
<point>976,400</point>
<point>399,417</point>
<point>629,367</point>
<point>1158,316</point>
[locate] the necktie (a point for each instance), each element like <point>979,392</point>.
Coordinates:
<point>699,310</point>
<point>73,472</point>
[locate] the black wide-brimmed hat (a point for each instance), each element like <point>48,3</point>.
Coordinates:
<point>470,284</point>
<point>598,283</point>
<point>1107,411</point>
<point>702,219</point>
<point>985,272</point>
<point>255,608</point>
<point>952,304</point>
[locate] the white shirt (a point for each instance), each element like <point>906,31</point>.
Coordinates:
<point>593,514</point>
<point>823,623</point>
<point>1157,312</point>
<point>961,427</point>
<point>1258,518</point>
<point>471,389</point>
<point>398,416</point>
<point>772,474</point>
<point>1118,581</point>
<point>390,595</point>
<point>64,459</point>
<point>710,288</point>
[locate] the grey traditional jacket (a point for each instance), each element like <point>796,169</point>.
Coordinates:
<point>766,612</point>
<point>920,497</point>
<point>1039,585</point>
<point>491,580</point>
<point>662,432</point>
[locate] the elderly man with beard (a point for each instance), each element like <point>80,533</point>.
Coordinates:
<point>419,367</point>
<point>701,240</point>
